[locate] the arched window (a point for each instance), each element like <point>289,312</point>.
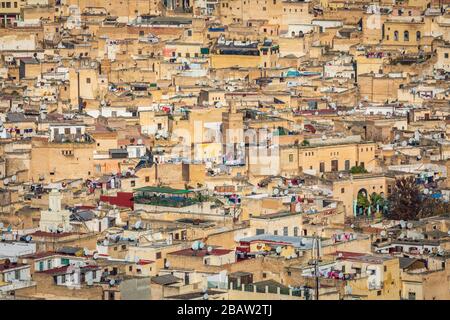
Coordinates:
<point>396,35</point>
<point>418,35</point>
<point>406,36</point>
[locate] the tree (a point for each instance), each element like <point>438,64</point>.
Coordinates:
<point>357,169</point>
<point>406,202</point>
<point>362,201</point>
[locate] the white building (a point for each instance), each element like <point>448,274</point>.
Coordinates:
<point>55,219</point>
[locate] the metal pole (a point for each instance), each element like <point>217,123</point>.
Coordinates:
<point>317,267</point>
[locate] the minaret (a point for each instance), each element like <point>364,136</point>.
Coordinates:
<point>54,201</point>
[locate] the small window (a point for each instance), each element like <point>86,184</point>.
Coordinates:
<point>158,255</point>
<point>291,158</point>
<point>342,190</point>
<point>88,80</point>
<point>395,35</point>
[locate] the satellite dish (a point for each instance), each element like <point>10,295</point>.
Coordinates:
<point>136,259</point>
<point>340,255</point>
<point>6,181</point>
<point>402,236</point>
<point>426,191</point>
<point>278,249</point>
<point>402,224</point>
<point>286,191</point>
<point>86,251</point>
<point>112,282</point>
<point>383,233</point>
<point>1,225</point>
<point>302,241</point>
<point>352,226</point>
<point>138,224</point>
<point>276,191</point>
<point>298,207</point>
<point>167,264</point>
<point>95,256</point>
<point>205,296</point>
<point>195,246</point>
<point>209,249</point>
<point>201,245</point>
<point>14,178</point>
<point>409,225</point>
<point>105,242</point>
<point>28,238</point>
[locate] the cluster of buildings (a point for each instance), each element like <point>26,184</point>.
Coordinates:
<point>222,149</point>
